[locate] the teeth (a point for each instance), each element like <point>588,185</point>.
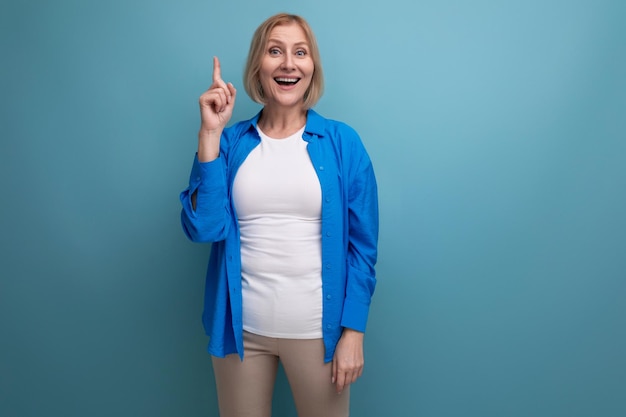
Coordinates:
<point>287,80</point>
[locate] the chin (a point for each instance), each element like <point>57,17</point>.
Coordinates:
<point>296,102</point>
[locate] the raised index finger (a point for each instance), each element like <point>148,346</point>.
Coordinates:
<point>217,70</point>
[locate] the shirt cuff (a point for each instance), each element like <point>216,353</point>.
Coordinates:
<point>355,315</point>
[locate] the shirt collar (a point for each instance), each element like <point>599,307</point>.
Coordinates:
<point>314,123</point>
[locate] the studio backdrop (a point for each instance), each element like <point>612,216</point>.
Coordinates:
<point>497,130</point>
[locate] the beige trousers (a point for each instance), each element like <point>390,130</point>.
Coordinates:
<point>244,388</point>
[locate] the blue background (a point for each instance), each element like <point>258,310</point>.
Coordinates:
<point>498,133</point>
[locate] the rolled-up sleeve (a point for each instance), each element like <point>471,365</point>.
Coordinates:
<point>210,219</point>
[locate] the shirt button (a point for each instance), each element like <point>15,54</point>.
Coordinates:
<point>327,266</point>
<point>321,168</point>
<point>328,326</point>
<point>328,199</point>
<point>329,234</point>
<point>328,297</point>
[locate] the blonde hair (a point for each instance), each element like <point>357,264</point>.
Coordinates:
<point>251,80</point>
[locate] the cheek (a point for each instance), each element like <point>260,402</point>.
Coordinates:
<point>265,77</point>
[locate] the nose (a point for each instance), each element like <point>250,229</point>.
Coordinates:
<point>288,63</point>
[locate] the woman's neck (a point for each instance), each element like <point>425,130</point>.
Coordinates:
<point>281,123</point>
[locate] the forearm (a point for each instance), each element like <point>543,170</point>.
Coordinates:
<point>208,150</point>
<point>208,144</point>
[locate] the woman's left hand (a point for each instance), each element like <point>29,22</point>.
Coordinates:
<point>348,360</point>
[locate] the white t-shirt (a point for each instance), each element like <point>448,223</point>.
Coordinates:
<point>278,200</point>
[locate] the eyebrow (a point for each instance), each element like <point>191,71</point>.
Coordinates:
<point>273,40</point>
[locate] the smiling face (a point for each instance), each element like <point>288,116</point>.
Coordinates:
<point>286,67</point>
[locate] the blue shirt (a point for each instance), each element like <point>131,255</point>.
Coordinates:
<point>349,229</point>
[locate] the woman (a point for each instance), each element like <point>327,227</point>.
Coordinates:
<point>289,201</point>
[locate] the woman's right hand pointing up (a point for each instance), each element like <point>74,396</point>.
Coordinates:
<point>216,108</point>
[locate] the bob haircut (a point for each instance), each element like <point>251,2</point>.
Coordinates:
<point>251,80</point>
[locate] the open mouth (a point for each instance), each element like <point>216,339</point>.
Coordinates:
<point>286,81</point>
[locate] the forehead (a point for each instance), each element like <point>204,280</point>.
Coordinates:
<point>288,33</point>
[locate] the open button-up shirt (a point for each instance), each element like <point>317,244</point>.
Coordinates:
<point>349,230</point>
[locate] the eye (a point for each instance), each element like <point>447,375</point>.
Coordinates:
<point>274,51</point>
<point>301,52</point>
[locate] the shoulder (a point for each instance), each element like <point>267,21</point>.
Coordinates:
<point>342,138</point>
<point>334,129</point>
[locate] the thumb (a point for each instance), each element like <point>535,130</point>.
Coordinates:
<point>233,93</point>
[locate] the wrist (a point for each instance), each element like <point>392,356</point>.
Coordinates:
<point>208,145</point>
<point>352,333</point>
